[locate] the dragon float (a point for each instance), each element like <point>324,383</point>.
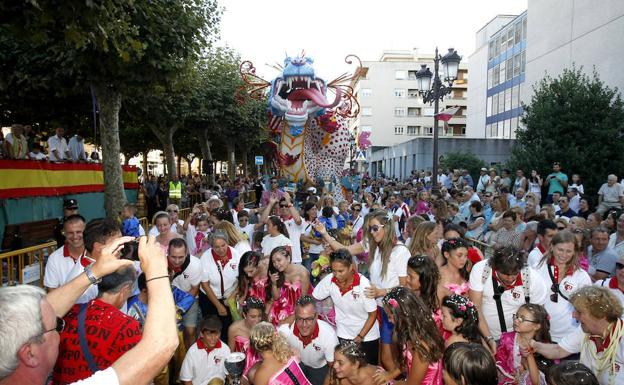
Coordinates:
<point>309,133</point>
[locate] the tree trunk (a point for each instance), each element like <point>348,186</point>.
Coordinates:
<point>165,136</point>
<point>205,144</point>
<point>145,173</point>
<point>188,163</point>
<point>109,102</point>
<point>231,162</point>
<point>245,163</point>
<point>179,165</point>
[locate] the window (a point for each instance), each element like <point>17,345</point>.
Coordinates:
<point>501,102</point>
<point>491,50</point>
<point>366,92</point>
<point>400,74</point>
<point>367,111</point>
<point>399,111</point>
<point>494,104</point>
<point>516,65</point>
<point>499,41</point>
<point>508,99</point>
<point>502,39</point>
<point>518,32</point>
<point>524,29</point>
<point>427,130</point>
<point>496,77</point>
<point>507,129</point>
<point>412,93</point>
<point>509,73</point>
<point>488,106</point>
<point>502,67</point>
<point>514,124</point>
<point>413,130</point>
<point>490,78</point>
<point>522,61</point>
<point>515,100</point>
<point>399,93</point>
<point>510,37</point>
<point>413,111</point>
<point>411,75</point>
<point>399,130</point>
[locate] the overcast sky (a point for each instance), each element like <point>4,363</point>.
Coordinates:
<point>263,31</point>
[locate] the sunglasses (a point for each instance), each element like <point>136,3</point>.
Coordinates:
<point>172,211</point>
<point>554,297</point>
<point>522,319</point>
<point>283,206</point>
<point>60,326</point>
<point>375,228</point>
<point>619,266</point>
<point>306,320</point>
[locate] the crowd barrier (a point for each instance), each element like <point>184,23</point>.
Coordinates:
<point>486,249</point>
<point>25,265</point>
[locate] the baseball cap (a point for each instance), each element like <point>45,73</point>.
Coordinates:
<point>70,204</point>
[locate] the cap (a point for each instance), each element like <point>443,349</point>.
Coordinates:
<point>70,204</point>
<point>484,169</point>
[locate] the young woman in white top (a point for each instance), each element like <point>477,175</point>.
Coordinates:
<point>235,238</point>
<point>219,279</point>
<point>277,235</point>
<point>387,267</point>
<point>562,272</point>
<point>162,222</point>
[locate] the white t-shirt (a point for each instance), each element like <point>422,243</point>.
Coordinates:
<point>229,273</point>
<point>39,156</point>
<point>92,291</point>
<point>58,268</point>
<point>107,376</point>
<point>611,194</point>
<point>294,233</point>
<point>200,367</point>
<point>561,321</point>
<point>191,276</point>
<point>248,231</point>
<point>605,283</point>
<point>242,247</point>
<point>174,228</point>
<point>319,351</point>
<point>60,145</point>
<point>575,343</point>
<point>535,256</point>
<point>352,307</point>
<point>511,299</point>
<point>397,267</point>
<point>269,243</point>
<point>357,225</point>
<point>309,231</point>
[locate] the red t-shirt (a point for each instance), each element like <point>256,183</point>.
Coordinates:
<point>110,333</point>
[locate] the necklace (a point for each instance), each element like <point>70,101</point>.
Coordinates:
<point>607,360</point>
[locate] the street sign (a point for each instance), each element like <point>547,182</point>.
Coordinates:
<point>360,157</point>
<point>259,160</point>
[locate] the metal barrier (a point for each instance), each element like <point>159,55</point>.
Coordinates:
<point>486,249</point>
<point>144,222</point>
<point>184,213</point>
<point>25,265</point>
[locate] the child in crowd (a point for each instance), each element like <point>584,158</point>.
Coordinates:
<point>36,153</point>
<point>130,226</point>
<point>244,227</point>
<point>461,319</point>
<point>531,322</point>
<point>202,240</point>
<point>205,359</point>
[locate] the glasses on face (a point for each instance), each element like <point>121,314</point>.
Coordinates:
<point>560,228</point>
<point>375,228</point>
<point>283,206</point>
<point>60,326</point>
<point>619,266</point>
<point>273,182</point>
<point>522,319</point>
<point>172,211</point>
<point>305,320</point>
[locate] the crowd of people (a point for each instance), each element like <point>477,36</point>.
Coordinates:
<point>23,143</point>
<point>502,281</point>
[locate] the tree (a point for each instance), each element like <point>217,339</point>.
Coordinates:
<point>574,119</point>
<point>463,160</point>
<point>114,47</point>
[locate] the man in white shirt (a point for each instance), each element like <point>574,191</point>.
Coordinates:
<point>76,148</point>
<point>186,271</point>
<point>57,147</point>
<point>546,230</point>
<point>599,339</point>
<point>293,221</point>
<point>205,360</point>
<point>62,261</point>
<point>484,179</point>
<point>314,339</point>
<point>610,195</point>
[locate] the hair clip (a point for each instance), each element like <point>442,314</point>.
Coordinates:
<point>393,302</point>
<point>462,307</point>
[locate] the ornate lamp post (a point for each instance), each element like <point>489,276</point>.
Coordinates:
<point>434,92</point>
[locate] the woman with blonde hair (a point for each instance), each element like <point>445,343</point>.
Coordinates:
<point>561,270</point>
<point>387,265</point>
<point>425,242</point>
<point>235,238</point>
<point>278,366</point>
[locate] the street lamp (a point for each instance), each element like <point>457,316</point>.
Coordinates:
<point>434,92</point>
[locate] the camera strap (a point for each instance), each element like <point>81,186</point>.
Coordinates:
<point>221,275</point>
<point>498,292</point>
<point>555,284</point>
<point>86,352</point>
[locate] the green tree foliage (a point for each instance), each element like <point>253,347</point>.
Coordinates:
<point>577,120</point>
<point>463,160</point>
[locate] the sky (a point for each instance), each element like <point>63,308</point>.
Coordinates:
<point>263,31</point>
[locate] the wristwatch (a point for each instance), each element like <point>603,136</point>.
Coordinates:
<point>92,278</point>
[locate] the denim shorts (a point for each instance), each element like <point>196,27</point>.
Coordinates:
<point>385,327</point>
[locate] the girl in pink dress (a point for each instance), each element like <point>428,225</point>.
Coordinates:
<point>453,272</point>
<point>417,334</point>
<point>514,368</point>
<point>239,331</point>
<point>278,365</point>
<point>422,203</point>
<point>423,277</point>
<point>288,282</point>
<point>252,277</point>
<point>461,319</point>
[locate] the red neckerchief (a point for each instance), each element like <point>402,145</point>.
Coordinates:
<point>356,282</point>
<point>66,253</point>
<point>613,284</point>
<point>541,248</point>
<point>569,272</point>
<point>201,345</point>
<point>174,269</point>
<point>85,261</point>
<point>306,340</point>
<point>218,259</point>
<point>517,283</point>
<point>605,344</point>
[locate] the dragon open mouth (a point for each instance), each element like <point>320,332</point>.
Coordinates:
<point>299,93</point>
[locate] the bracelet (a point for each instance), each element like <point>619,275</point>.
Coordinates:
<point>489,338</point>
<point>162,276</point>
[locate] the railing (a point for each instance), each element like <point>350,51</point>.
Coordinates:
<point>486,249</point>
<point>25,265</point>
<point>184,213</point>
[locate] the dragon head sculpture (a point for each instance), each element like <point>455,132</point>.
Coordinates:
<point>298,94</point>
